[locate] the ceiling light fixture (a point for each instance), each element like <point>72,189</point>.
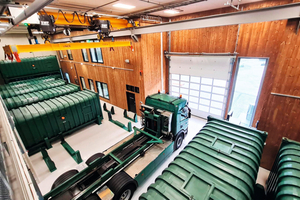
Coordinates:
<point>171,11</point>
<point>37,32</point>
<point>4,24</point>
<point>120,5</point>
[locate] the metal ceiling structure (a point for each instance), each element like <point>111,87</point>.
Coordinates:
<point>289,11</point>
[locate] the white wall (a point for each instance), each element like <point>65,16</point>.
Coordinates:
<point>17,39</point>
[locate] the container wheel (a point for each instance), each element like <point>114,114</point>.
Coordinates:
<point>94,157</point>
<point>178,141</point>
<point>122,185</point>
<point>93,197</point>
<point>64,177</point>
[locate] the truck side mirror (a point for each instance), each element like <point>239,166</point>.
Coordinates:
<point>190,114</point>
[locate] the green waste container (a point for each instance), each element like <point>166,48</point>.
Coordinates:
<point>29,82</point>
<point>29,98</point>
<point>284,180</point>
<point>221,162</point>
<point>15,91</point>
<point>28,67</point>
<point>41,123</point>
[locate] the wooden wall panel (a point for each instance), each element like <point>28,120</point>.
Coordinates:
<point>279,115</point>
<point>273,40</point>
<point>116,79</point>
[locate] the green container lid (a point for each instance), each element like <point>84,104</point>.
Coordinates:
<point>284,179</point>
<point>15,91</point>
<point>33,97</point>
<point>221,162</point>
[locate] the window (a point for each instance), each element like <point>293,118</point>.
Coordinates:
<point>102,90</point>
<point>82,82</point>
<point>70,54</point>
<point>99,88</point>
<point>61,54</point>
<point>91,83</point>
<point>84,54</point>
<point>96,54</point>
<point>67,77</point>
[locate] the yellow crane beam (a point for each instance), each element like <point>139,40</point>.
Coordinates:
<point>10,49</point>
<point>81,20</point>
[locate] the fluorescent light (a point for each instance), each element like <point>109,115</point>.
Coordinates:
<point>4,24</point>
<point>2,29</point>
<point>37,32</point>
<point>171,11</point>
<point>120,5</point>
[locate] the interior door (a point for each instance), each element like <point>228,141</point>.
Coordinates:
<point>131,102</point>
<point>70,69</point>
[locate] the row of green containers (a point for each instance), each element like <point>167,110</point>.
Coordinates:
<point>41,123</point>
<point>15,91</point>
<point>221,162</point>
<point>28,82</point>
<point>29,67</point>
<point>284,179</point>
<point>33,97</point>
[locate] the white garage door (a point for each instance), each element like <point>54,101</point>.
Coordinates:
<point>203,81</point>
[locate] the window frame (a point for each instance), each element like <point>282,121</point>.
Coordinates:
<point>70,54</point>
<point>95,53</point>
<point>82,78</point>
<point>61,54</point>
<point>87,56</point>
<point>90,84</point>
<point>102,90</point>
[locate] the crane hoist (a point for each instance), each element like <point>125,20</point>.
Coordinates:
<point>50,22</point>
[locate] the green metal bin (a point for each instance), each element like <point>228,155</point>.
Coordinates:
<point>15,91</point>
<point>28,67</point>
<point>41,123</point>
<point>29,98</point>
<point>221,162</point>
<point>284,179</point>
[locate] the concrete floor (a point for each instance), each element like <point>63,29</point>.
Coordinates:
<point>93,139</point>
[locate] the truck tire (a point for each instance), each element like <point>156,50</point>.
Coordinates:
<point>178,141</point>
<point>93,197</point>
<point>64,177</point>
<point>122,185</point>
<point>94,157</point>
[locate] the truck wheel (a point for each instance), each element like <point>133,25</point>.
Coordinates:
<point>178,141</point>
<point>122,185</point>
<point>93,197</point>
<point>64,177</point>
<point>94,157</point>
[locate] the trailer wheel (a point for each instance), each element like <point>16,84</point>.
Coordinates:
<point>94,157</point>
<point>93,197</point>
<point>64,177</point>
<point>178,141</point>
<point>122,185</point>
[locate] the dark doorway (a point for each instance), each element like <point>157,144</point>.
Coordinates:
<point>131,102</point>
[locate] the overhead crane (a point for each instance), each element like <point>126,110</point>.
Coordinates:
<point>50,21</point>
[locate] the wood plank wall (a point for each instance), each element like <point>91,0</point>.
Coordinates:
<point>268,39</point>
<point>145,61</point>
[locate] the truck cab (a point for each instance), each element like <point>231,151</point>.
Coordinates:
<point>165,115</point>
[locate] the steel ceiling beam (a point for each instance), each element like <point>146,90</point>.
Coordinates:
<point>36,6</point>
<point>283,12</point>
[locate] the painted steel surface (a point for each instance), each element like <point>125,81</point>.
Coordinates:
<point>29,98</point>
<point>41,123</point>
<point>15,91</point>
<point>32,81</point>
<point>221,162</point>
<point>284,179</point>
<point>28,67</point>
<point>171,104</point>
